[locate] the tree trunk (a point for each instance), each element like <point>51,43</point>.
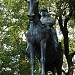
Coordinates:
<point>66,42</point>
<point>68,56</point>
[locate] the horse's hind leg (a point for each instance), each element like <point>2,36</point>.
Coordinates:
<point>59,66</point>
<point>31,51</point>
<point>43,48</point>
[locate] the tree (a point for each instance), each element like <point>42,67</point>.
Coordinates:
<point>13,20</point>
<point>64,16</point>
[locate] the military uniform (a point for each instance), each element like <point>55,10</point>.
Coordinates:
<point>49,22</point>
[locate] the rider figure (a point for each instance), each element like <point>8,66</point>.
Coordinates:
<point>49,22</point>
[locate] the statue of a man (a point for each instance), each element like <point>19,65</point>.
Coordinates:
<point>49,22</point>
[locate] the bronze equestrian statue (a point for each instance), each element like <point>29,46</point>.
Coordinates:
<point>40,42</point>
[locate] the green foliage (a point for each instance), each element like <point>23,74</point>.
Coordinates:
<point>71,29</point>
<point>13,25</point>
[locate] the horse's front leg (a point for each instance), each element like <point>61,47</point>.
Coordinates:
<point>31,51</point>
<point>43,48</point>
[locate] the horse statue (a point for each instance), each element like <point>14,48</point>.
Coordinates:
<point>40,42</point>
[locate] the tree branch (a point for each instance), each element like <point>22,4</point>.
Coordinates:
<point>67,18</point>
<point>60,22</point>
<point>64,72</point>
<point>72,54</point>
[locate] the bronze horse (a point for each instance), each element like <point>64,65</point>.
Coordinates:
<point>40,42</point>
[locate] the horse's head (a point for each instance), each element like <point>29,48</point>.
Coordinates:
<point>32,7</point>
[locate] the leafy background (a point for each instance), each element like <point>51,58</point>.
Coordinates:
<point>14,24</point>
